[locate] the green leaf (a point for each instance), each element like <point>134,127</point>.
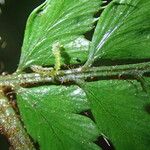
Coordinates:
<point>123,31</point>
<point>121,110</point>
<point>60,21</point>
<point>51,116</point>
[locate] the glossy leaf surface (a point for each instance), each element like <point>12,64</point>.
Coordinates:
<point>54,21</point>
<point>123,31</point>
<point>121,110</point>
<point>51,116</point>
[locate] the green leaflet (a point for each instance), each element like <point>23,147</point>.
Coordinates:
<point>123,31</point>
<point>51,116</point>
<point>121,110</point>
<point>56,21</point>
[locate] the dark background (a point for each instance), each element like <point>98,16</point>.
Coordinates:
<point>12,25</point>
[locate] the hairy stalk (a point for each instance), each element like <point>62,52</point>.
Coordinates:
<point>73,75</point>
<point>11,126</point>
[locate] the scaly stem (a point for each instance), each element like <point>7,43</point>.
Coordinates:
<point>11,126</point>
<point>76,74</point>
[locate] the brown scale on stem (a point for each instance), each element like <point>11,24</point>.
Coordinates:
<point>11,126</point>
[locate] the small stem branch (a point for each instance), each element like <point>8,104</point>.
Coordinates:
<point>11,126</point>
<point>76,74</point>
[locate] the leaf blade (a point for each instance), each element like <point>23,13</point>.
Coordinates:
<point>122,32</point>
<point>119,108</point>
<point>55,109</point>
<point>55,21</point>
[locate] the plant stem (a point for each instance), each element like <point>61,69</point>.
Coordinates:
<point>11,126</point>
<point>73,75</point>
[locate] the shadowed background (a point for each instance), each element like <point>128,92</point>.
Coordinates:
<point>12,25</point>
<point>14,14</point>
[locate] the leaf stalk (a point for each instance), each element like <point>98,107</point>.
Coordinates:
<point>73,75</point>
